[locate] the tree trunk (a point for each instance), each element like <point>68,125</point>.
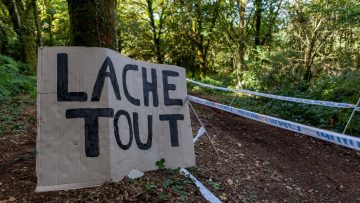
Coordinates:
<point>241,49</point>
<point>24,26</point>
<point>308,74</point>
<point>238,66</point>
<point>4,41</point>
<point>309,58</point>
<point>27,38</point>
<point>202,63</point>
<point>92,23</point>
<point>50,18</point>
<point>156,36</point>
<point>37,24</point>
<point>258,11</point>
<point>27,34</point>
<point>192,71</point>
<point>159,56</point>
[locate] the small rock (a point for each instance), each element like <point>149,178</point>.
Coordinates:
<point>223,198</point>
<point>229,181</point>
<point>342,187</point>
<point>288,187</point>
<point>311,190</point>
<point>239,144</point>
<point>134,174</point>
<point>298,189</point>
<point>266,163</point>
<point>11,199</point>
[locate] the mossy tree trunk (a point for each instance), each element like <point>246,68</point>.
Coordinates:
<point>22,17</point>
<point>92,23</point>
<point>4,46</point>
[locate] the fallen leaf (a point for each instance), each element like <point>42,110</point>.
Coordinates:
<point>11,199</point>
<point>229,181</point>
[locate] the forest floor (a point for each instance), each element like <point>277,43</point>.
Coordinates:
<point>256,163</point>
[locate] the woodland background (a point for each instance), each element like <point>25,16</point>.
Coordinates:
<point>301,48</point>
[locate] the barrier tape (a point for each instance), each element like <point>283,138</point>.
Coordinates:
<point>204,191</point>
<point>209,196</point>
<point>200,132</point>
<point>284,98</point>
<point>337,138</point>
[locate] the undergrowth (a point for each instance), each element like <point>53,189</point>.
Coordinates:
<point>17,88</point>
<point>16,78</point>
<point>173,184</point>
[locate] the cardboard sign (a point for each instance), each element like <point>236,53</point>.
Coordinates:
<point>101,114</point>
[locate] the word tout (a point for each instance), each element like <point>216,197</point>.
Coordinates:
<point>91,117</point>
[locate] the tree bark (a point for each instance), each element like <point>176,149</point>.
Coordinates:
<point>92,23</point>
<point>156,35</point>
<point>258,11</point>
<point>202,62</point>
<point>24,26</point>
<point>241,49</point>
<point>37,24</point>
<point>4,41</point>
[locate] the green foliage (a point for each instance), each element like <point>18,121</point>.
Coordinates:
<point>55,22</point>
<point>12,118</point>
<point>160,164</point>
<point>15,78</point>
<point>177,186</point>
<point>150,187</point>
<point>214,185</point>
<point>340,88</point>
<point>163,196</point>
<point>172,184</point>
<point>16,84</point>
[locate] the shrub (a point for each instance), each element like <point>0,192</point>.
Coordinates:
<point>15,78</point>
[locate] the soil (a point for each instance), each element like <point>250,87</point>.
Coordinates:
<point>255,163</point>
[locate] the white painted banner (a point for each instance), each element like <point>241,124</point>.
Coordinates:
<point>101,114</point>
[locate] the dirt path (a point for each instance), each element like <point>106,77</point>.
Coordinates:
<point>261,163</point>
<point>257,163</point>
